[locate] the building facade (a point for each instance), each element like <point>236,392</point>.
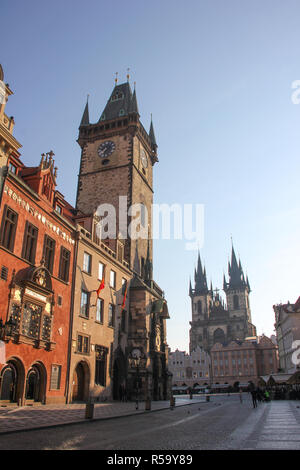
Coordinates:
<point>190,370</point>
<point>213,321</point>
<point>37,242</point>
<point>287,326</point>
<point>240,362</point>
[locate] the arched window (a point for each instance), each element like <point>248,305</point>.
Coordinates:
<point>219,336</point>
<point>236,305</point>
<point>199,306</point>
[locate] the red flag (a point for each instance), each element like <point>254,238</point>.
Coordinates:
<point>125,294</point>
<point>102,284</point>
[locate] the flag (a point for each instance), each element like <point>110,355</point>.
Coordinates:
<point>125,294</point>
<point>102,284</point>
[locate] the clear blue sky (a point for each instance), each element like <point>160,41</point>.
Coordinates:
<point>217,77</point>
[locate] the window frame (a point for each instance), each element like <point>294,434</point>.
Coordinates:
<point>64,264</point>
<point>89,270</point>
<point>87,309</point>
<point>28,238</point>
<point>10,243</point>
<point>49,263</point>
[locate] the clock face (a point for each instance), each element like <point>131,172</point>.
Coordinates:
<point>106,149</point>
<point>144,158</point>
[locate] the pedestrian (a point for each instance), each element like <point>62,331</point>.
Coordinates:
<point>259,394</point>
<point>254,398</point>
<point>267,396</point>
<point>241,395</point>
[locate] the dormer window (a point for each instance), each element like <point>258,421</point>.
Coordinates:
<point>117,96</point>
<point>122,112</point>
<point>12,168</point>
<point>102,117</point>
<point>58,209</point>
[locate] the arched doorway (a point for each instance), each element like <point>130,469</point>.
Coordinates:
<point>12,378</point>
<point>80,389</point>
<point>9,381</point>
<point>36,383</point>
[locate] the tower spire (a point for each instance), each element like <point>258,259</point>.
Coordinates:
<point>200,278</point>
<point>85,120</point>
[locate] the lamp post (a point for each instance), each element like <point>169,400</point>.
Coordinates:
<point>7,328</point>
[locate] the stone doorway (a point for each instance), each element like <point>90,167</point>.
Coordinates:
<point>80,383</point>
<point>9,381</point>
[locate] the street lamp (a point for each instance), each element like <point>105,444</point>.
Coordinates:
<point>7,328</point>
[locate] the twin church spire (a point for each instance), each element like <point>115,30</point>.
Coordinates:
<point>237,279</point>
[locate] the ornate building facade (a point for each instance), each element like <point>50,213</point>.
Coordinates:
<point>212,320</point>
<point>37,240</point>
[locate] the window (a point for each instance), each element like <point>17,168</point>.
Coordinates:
<point>12,168</point>
<point>84,304</point>
<point>4,273</point>
<point>64,264</point>
<point>30,242</point>
<point>117,96</point>
<point>112,280</point>
<point>49,249</point>
<point>83,344</point>
<point>87,262</point>
<point>55,377</point>
<point>111,315</point>
<point>235,302</point>
<point>58,209</point>
<point>100,271</point>
<point>8,230</point>
<point>101,361</point>
<point>99,311</point>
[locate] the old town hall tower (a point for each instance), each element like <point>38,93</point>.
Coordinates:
<point>116,169</point>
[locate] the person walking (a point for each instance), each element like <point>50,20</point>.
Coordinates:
<point>241,395</point>
<point>254,398</point>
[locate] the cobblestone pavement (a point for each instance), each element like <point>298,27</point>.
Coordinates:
<point>31,417</point>
<point>223,423</point>
<point>272,426</point>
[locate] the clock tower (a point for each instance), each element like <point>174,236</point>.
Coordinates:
<point>116,168</point>
<point>116,172</point>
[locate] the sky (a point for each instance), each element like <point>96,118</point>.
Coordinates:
<point>217,77</point>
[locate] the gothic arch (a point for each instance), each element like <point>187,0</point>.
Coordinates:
<point>219,336</point>
<point>36,380</point>
<point>12,380</point>
<point>81,381</point>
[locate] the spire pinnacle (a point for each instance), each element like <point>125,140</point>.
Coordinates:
<point>85,120</point>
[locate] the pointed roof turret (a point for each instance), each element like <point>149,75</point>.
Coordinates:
<point>152,135</point>
<point>85,121</point>
<point>190,289</point>
<point>235,271</point>
<point>200,278</point>
<point>133,107</point>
